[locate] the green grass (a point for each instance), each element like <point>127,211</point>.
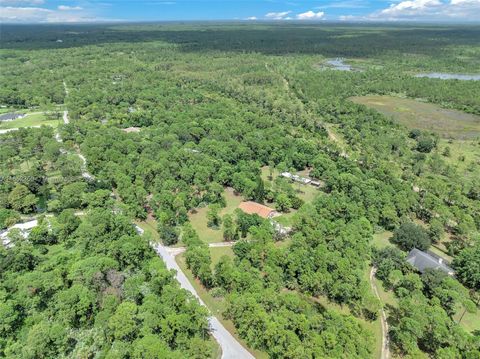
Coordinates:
<point>335,136</point>
<point>464,156</point>
<point>304,191</point>
<point>7,110</point>
<point>150,227</point>
<point>425,116</point>
<point>470,321</point>
<point>218,252</point>
<point>387,297</point>
<point>440,250</point>
<point>286,219</point>
<point>33,119</point>
<point>198,218</point>
<point>381,239</point>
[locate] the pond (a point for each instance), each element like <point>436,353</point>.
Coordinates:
<point>338,64</point>
<point>445,76</point>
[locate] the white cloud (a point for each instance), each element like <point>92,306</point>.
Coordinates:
<point>11,14</point>
<point>410,7</point>
<point>310,15</point>
<point>277,15</point>
<point>69,8</point>
<point>251,18</point>
<point>21,2</point>
<point>428,10</point>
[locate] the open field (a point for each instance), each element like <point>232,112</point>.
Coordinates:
<point>31,120</point>
<point>464,156</point>
<point>424,116</point>
<point>198,218</point>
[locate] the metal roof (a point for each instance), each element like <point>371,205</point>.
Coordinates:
<point>423,261</point>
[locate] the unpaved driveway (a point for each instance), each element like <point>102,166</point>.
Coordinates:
<point>383,319</point>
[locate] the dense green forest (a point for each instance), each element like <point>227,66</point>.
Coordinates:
<point>212,106</point>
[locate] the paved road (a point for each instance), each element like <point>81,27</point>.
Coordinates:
<point>24,228</point>
<point>383,319</point>
<point>231,348</point>
<point>65,117</point>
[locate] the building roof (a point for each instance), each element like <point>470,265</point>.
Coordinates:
<point>296,178</point>
<point>131,129</point>
<point>250,207</point>
<point>423,261</point>
<point>10,116</point>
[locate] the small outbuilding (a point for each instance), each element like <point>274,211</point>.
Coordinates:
<point>11,116</point>
<point>131,129</point>
<point>296,178</point>
<point>423,261</point>
<point>250,207</point>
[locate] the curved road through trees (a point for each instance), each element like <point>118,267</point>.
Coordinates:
<point>231,348</point>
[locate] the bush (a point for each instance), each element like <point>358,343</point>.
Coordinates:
<point>410,235</point>
<point>425,144</point>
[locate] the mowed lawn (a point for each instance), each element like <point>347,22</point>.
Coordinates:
<point>425,116</point>
<point>31,120</point>
<point>218,252</point>
<point>199,221</point>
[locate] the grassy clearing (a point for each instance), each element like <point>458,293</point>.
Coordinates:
<point>425,116</point>
<point>31,120</point>
<point>218,252</point>
<point>440,250</point>
<point>150,227</point>
<point>7,110</point>
<point>286,219</point>
<point>198,218</point>
<point>217,306</point>
<point>387,297</point>
<point>470,321</point>
<point>381,239</point>
<point>304,191</point>
<point>464,156</point>
<point>334,136</point>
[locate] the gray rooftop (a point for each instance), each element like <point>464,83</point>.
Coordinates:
<point>423,261</point>
<point>10,116</point>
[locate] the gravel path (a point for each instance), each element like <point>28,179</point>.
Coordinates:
<point>383,318</point>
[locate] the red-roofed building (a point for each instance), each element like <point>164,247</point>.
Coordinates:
<point>250,207</point>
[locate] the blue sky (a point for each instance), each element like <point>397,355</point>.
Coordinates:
<point>51,11</point>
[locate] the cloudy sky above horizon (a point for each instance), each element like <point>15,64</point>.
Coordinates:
<point>71,11</point>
